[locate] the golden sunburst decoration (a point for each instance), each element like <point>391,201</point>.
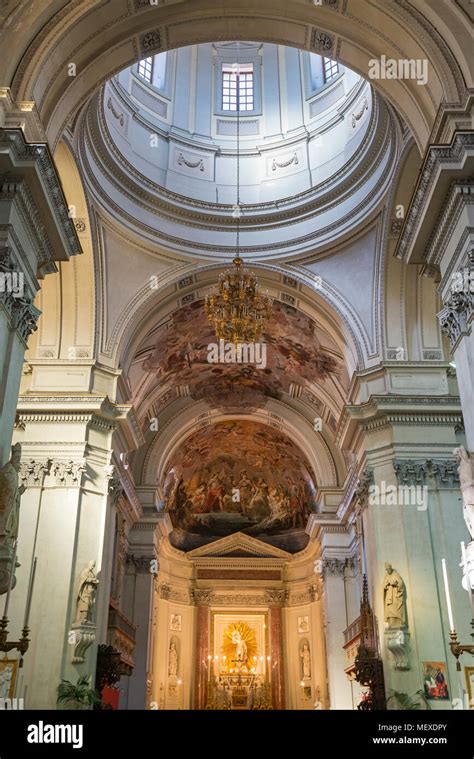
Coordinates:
<point>239,631</point>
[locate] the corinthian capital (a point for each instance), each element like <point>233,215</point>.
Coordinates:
<point>456,316</point>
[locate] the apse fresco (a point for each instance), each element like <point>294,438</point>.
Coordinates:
<point>239,476</point>
<point>297,352</point>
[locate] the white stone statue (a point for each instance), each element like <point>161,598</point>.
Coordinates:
<point>88,583</point>
<point>394,597</point>
<point>241,654</point>
<point>306,661</point>
<point>10,493</point>
<point>173,660</point>
<point>466,478</point>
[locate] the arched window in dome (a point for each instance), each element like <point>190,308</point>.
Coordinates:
<point>331,69</point>
<point>145,69</point>
<point>153,70</point>
<point>237,87</point>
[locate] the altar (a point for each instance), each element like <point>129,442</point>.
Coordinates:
<point>239,668</point>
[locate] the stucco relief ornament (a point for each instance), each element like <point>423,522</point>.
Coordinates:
<point>466,478</point>
<point>321,41</point>
<point>151,41</point>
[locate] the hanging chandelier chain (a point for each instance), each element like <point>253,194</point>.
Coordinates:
<point>236,308</point>
<point>238,149</point>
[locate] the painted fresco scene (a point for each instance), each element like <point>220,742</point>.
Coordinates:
<point>239,476</point>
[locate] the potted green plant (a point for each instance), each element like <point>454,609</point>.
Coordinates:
<point>78,696</point>
<point>405,702</point>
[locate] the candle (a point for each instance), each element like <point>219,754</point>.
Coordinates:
<point>30,592</point>
<point>448,597</point>
<point>464,557</point>
<point>10,583</point>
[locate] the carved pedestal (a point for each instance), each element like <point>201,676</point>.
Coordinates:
<point>82,637</point>
<point>397,642</point>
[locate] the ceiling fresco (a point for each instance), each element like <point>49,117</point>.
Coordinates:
<point>239,476</point>
<point>296,352</point>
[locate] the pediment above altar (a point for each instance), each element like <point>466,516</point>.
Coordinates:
<point>239,546</point>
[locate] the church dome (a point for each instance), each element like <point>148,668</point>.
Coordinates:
<point>316,151</point>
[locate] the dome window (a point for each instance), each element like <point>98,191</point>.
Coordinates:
<point>237,87</point>
<point>145,69</point>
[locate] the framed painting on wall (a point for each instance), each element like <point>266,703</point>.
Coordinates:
<point>435,683</point>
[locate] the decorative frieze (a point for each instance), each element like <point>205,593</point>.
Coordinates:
<point>239,600</point>
<point>438,158</point>
<point>410,472</point>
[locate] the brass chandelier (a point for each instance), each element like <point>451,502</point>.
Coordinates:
<point>236,308</point>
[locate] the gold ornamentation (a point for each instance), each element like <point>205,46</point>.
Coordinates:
<point>236,309</point>
<point>239,646</point>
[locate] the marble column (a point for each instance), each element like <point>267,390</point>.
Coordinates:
<point>201,662</point>
<point>334,566</point>
<point>277,664</point>
<point>138,607</point>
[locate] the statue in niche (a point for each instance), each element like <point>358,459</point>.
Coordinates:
<point>10,494</point>
<point>88,583</point>
<point>466,478</point>
<point>241,654</point>
<point>305,656</point>
<point>394,598</point>
<point>173,660</point>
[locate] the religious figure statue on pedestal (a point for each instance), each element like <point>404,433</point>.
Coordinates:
<point>466,478</point>
<point>10,494</point>
<point>306,661</point>
<point>240,647</point>
<point>88,583</point>
<point>394,597</point>
<point>173,660</point>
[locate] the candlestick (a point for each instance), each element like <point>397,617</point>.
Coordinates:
<point>30,592</point>
<point>448,597</point>
<point>10,583</point>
